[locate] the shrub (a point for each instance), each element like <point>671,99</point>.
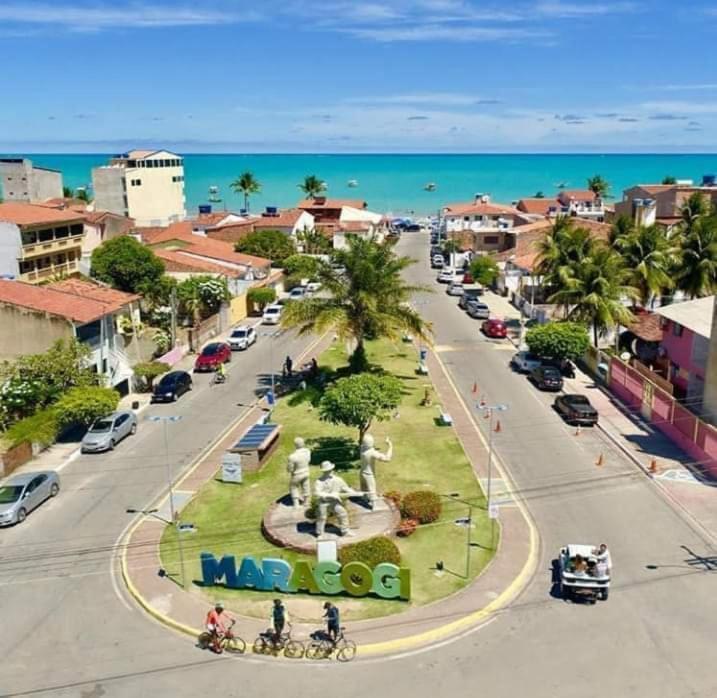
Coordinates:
<point>81,406</point>
<point>372,552</point>
<point>150,370</point>
<point>261,297</point>
<point>41,428</point>
<point>395,496</point>
<point>423,505</point>
<point>407,527</point>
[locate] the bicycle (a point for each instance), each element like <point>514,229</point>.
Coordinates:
<point>322,647</point>
<point>229,641</point>
<point>268,643</point>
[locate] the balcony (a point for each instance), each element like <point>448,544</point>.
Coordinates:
<point>47,273</point>
<point>52,246</point>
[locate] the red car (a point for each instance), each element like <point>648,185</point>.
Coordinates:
<point>467,278</point>
<point>212,355</point>
<point>495,328</point>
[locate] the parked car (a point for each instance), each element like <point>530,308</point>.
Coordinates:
<point>242,337</point>
<point>313,287</point>
<point>171,386</point>
<point>468,278</point>
<point>455,289</point>
<point>212,355</point>
<point>106,432</point>
<point>478,310</point>
<point>525,362</point>
<point>576,409</point>
<point>469,294</point>
<point>272,314</point>
<point>446,276</point>
<point>24,492</point>
<point>437,261</point>
<point>494,328</point>
<point>297,293</point>
<point>546,378</point>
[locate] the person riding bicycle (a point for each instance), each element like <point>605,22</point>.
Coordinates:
<point>332,621</point>
<point>216,626</point>
<point>279,618</point>
<point>221,374</point>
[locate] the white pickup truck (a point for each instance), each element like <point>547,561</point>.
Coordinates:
<point>582,574</point>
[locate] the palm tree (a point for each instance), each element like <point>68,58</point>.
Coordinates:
<point>694,208</point>
<point>367,300</point>
<point>312,186</point>
<point>563,247</point>
<point>313,241</point>
<point>595,289</point>
<point>450,247</point>
<point>599,186</point>
<point>622,227</point>
<point>247,185</point>
<point>648,256</point>
<point>697,271</point>
<point>669,180</point>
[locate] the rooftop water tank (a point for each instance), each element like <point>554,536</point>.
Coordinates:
<point>709,180</point>
<point>204,209</point>
<point>272,211</point>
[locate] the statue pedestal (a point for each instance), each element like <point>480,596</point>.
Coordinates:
<point>289,528</point>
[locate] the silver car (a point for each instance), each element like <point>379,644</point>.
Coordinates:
<point>242,337</point>
<point>108,431</point>
<point>22,493</point>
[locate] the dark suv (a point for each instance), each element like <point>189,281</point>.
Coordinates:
<point>547,378</point>
<point>172,386</point>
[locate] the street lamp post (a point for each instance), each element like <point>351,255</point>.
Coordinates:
<point>455,496</point>
<point>491,409</point>
<point>165,419</point>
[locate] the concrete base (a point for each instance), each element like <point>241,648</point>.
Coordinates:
<point>288,527</point>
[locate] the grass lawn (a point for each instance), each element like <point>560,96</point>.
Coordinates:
<point>426,456</point>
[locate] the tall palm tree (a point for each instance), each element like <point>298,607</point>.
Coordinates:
<point>595,290</point>
<point>367,300</point>
<point>697,271</point>
<point>648,256</point>
<point>599,186</point>
<point>623,226</point>
<point>312,186</point>
<point>693,209</point>
<point>247,185</point>
<point>313,241</point>
<point>563,247</point>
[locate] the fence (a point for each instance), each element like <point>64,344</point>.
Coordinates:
<point>693,435</point>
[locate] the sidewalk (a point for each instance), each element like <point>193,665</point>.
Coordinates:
<point>500,583</point>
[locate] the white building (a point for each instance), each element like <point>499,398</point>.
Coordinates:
<point>20,180</point>
<point>143,184</point>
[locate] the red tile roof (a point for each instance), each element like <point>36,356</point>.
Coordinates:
<point>35,214</point>
<point>321,202</point>
<point>480,208</point>
<point>232,232</point>
<point>538,206</point>
<point>285,219</point>
<point>577,195</point>
<point>176,260</point>
<point>647,327</point>
<point>45,299</point>
<point>211,219</point>
<point>112,298</point>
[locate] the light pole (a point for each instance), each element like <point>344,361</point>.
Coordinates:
<point>455,496</point>
<point>165,419</point>
<point>491,409</point>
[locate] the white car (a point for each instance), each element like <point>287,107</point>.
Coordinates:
<point>525,362</point>
<point>313,287</point>
<point>272,315</point>
<point>297,293</point>
<point>455,289</point>
<point>242,337</point>
<point>446,276</point>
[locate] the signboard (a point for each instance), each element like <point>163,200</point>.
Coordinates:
<point>493,510</point>
<point>386,581</point>
<point>231,467</point>
<point>326,551</point>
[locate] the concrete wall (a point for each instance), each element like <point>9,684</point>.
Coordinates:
<point>20,181</point>
<point>710,394</point>
<point>108,185</point>
<point>27,332</point>
<point>10,249</point>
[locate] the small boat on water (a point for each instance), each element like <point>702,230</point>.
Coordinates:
<point>214,194</point>
<point>431,186</point>
<point>352,183</point>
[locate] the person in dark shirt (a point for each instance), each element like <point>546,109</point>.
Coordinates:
<point>332,621</point>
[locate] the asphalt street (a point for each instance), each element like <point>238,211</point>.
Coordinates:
<point>67,631</point>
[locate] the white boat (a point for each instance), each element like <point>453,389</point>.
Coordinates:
<point>352,183</point>
<point>430,187</point>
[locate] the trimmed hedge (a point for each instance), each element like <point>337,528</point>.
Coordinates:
<point>372,552</point>
<point>423,505</point>
<point>407,528</point>
<point>395,496</point>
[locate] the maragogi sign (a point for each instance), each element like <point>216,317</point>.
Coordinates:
<point>387,581</point>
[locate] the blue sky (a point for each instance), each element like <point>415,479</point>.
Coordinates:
<point>355,76</point>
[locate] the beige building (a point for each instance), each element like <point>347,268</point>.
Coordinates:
<point>142,184</point>
<point>38,243</point>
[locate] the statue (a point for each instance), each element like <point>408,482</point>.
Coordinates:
<point>298,469</point>
<point>369,457</point>
<point>329,489</point>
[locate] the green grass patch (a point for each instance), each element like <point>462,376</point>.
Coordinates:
<point>426,456</point>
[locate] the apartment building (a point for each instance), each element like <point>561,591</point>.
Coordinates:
<point>39,242</point>
<point>20,180</point>
<point>579,203</point>
<point>145,185</point>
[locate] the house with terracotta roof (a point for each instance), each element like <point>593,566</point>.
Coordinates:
<point>33,317</point>
<point>39,242</point>
<point>325,210</point>
<point>290,221</point>
<point>101,226</point>
<point>580,203</point>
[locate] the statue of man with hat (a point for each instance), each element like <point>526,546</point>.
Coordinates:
<point>370,455</point>
<point>330,490</point>
<point>298,469</point>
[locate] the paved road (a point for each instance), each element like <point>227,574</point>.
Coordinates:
<point>652,638</point>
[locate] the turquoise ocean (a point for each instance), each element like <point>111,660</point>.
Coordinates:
<point>395,183</point>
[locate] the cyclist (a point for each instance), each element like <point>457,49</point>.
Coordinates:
<point>221,374</point>
<point>332,621</point>
<point>216,627</point>
<point>279,618</point>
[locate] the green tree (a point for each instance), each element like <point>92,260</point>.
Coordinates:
<point>81,406</point>
<point>261,297</point>
<point>369,300</point>
<point>82,194</point>
<point>67,192</point>
<point>648,257</point>
<point>270,244</point>
<point>126,264</point>
<point>669,180</point>
<point>247,185</point>
<point>300,266</point>
<point>697,206</point>
<point>599,186</point>
<point>450,247</point>
<point>356,401</point>
<point>312,186</point>
<point>622,227</point>
<point>313,241</point>
<point>560,250</point>
<point>484,270</point>
<point>558,340</point>
<point>159,293</point>
<point>149,370</point>
<point>697,269</point>
<point>201,296</point>
<point>593,291</point>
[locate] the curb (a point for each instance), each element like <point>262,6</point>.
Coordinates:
<point>516,586</point>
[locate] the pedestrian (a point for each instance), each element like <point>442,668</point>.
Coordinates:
<point>279,618</point>
<point>314,370</point>
<point>288,366</point>
<point>332,621</point>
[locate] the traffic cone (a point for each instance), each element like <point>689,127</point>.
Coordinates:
<point>577,430</point>
<point>475,388</point>
<point>497,427</point>
<point>653,467</point>
<point>600,461</point>
<point>482,401</point>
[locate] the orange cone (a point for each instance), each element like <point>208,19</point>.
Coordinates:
<point>653,467</point>
<point>600,461</point>
<point>497,427</point>
<point>482,402</point>
<point>475,388</point>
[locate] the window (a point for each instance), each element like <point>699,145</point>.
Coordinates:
<point>29,237</point>
<point>77,229</point>
<point>60,258</point>
<point>677,330</point>
<point>150,163</point>
<point>131,163</point>
<point>46,235</point>
<point>491,239</point>
<point>136,182</point>
<point>27,267</point>
<point>62,232</point>
<point>466,218</point>
<point>44,262</point>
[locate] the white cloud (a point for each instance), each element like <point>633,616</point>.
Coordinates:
<point>436,32</point>
<point>569,10</point>
<point>445,99</point>
<point>689,88</point>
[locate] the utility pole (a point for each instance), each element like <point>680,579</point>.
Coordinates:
<point>173,306</point>
<point>489,489</point>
